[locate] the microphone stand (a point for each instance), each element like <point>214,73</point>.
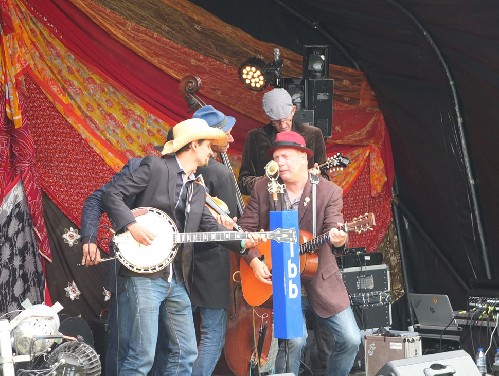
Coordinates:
<point>272,172</point>
<point>274,188</point>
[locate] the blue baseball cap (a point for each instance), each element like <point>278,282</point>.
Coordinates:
<point>215,118</point>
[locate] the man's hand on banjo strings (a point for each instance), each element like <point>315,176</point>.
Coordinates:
<point>141,234</point>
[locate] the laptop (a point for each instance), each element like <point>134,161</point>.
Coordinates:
<point>433,310</point>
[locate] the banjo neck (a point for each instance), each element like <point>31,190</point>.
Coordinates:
<point>279,235</point>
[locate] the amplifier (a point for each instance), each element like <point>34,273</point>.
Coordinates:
<point>369,290</point>
<point>353,258</point>
<point>484,294</point>
<point>372,316</point>
<point>488,304</point>
<point>381,349</point>
<point>366,280</point>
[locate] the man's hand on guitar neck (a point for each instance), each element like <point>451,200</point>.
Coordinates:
<point>254,238</point>
<point>337,237</point>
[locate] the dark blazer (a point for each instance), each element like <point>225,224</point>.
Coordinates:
<point>260,140</point>
<point>326,291</point>
<point>210,278</point>
<point>153,184</point>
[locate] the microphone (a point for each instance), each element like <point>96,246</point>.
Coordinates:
<point>277,55</point>
<point>271,169</point>
<point>276,68</point>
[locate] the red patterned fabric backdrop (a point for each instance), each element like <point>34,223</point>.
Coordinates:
<point>97,84</point>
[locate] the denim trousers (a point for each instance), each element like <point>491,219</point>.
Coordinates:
<point>157,317</point>
<point>347,338</point>
<point>212,340</point>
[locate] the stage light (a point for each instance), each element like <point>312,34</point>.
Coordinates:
<point>316,65</point>
<point>35,329</point>
<point>256,75</point>
<point>251,74</point>
<point>316,62</point>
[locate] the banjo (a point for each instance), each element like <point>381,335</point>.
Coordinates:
<point>152,258</point>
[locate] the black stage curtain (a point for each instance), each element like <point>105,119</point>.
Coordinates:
<point>64,270</point>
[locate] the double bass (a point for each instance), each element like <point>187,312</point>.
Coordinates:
<point>246,338</point>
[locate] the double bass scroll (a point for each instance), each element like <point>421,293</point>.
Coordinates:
<point>189,86</point>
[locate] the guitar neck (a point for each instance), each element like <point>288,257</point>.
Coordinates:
<point>313,244</point>
<point>239,197</point>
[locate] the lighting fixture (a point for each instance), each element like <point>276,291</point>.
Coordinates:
<point>256,75</point>
<point>316,62</point>
<point>252,74</point>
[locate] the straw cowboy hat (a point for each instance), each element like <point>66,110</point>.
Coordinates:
<point>192,130</point>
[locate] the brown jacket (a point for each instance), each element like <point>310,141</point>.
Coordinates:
<point>326,291</point>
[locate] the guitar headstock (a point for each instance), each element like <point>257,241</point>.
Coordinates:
<point>336,162</point>
<point>283,235</point>
<point>360,224</point>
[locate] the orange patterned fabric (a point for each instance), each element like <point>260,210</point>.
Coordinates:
<point>12,106</point>
<point>109,118</point>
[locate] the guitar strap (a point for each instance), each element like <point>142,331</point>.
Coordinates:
<point>314,180</point>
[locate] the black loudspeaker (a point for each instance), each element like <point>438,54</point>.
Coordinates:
<point>451,363</point>
<point>320,100</point>
<point>78,328</point>
<point>100,333</point>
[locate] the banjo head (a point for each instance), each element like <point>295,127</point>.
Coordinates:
<point>148,258</point>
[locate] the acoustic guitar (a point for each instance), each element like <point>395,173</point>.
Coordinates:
<point>256,292</point>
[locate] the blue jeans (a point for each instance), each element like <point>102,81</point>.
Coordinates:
<point>347,339</point>
<point>212,340</point>
<point>159,313</point>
